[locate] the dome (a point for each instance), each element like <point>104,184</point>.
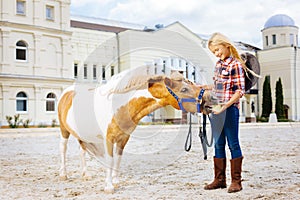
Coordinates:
<point>279,20</point>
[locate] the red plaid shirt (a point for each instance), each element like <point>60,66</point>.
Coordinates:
<point>229,79</point>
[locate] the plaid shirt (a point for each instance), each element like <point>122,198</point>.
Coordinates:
<point>229,79</point>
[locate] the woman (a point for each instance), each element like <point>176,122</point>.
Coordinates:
<point>229,86</point>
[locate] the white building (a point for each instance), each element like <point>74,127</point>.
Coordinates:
<point>43,50</point>
<point>35,58</point>
<point>280,58</point>
<point>101,50</point>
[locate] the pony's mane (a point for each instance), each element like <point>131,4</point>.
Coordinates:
<point>128,80</point>
<point>137,82</point>
<point>134,79</point>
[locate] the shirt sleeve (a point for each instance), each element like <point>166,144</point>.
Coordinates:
<point>238,79</point>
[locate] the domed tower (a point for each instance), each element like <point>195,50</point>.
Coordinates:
<point>279,31</point>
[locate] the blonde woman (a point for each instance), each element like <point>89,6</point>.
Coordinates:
<point>229,85</point>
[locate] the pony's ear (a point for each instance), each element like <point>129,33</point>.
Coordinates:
<point>154,79</point>
<point>168,82</point>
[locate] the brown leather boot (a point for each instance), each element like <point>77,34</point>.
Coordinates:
<point>236,178</point>
<point>220,175</point>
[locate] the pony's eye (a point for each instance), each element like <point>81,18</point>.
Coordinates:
<point>183,90</point>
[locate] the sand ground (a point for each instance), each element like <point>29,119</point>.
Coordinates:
<point>154,165</point>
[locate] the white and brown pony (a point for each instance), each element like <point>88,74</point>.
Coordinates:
<point>103,118</point>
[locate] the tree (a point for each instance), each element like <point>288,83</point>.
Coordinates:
<point>279,108</point>
<point>267,98</point>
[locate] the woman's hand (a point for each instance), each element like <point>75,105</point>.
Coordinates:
<point>219,109</point>
<point>223,107</point>
<point>206,87</point>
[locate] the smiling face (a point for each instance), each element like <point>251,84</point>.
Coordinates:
<point>220,51</point>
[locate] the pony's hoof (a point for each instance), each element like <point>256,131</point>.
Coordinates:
<point>86,177</point>
<point>109,190</point>
<point>115,181</point>
<point>63,177</point>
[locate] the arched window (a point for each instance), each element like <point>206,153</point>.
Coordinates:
<point>21,102</point>
<point>21,51</point>
<point>50,102</point>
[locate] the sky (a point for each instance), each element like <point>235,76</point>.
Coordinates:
<point>240,20</point>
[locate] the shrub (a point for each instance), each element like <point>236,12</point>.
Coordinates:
<point>54,123</point>
<point>26,123</point>
<point>13,122</point>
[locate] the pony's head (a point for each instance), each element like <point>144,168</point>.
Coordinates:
<point>181,93</point>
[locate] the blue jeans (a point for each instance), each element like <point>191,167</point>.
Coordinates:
<point>226,126</point>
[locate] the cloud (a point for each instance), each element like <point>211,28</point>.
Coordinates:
<point>153,11</point>
<point>239,20</point>
<point>80,3</point>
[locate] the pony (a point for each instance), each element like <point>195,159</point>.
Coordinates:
<point>103,118</point>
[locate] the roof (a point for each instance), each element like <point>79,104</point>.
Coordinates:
<point>103,24</point>
<point>279,20</point>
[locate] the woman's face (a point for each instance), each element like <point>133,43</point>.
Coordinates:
<point>220,51</point>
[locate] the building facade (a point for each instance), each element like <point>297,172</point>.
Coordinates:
<point>280,58</point>
<point>43,50</point>
<point>35,58</point>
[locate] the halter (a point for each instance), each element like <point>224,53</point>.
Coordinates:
<point>197,101</point>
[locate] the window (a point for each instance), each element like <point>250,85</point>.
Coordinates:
<point>75,70</point>
<point>292,39</point>
<point>50,102</point>
<point>49,12</point>
<point>21,51</point>
<point>112,71</point>
<point>274,39</point>
<point>20,9</point>
<point>267,41</point>
<point>103,72</point>
<point>95,72</point>
<point>21,102</point>
<point>85,71</point>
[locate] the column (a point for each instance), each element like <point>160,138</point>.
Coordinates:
<point>6,52</point>
<point>37,54</point>
<point>66,70</point>
<point>7,108</point>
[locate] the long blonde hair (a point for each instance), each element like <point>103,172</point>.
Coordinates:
<point>220,39</point>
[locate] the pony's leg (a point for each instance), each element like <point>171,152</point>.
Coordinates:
<point>118,156</point>
<point>63,149</point>
<point>116,168</point>
<point>83,162</point>
<point>109,188</point>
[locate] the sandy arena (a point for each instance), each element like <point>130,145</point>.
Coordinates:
<point>154,165</point>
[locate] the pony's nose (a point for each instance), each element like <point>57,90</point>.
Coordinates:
<point>214,99</point>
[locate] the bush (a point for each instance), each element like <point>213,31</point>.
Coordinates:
<point>262,119</point>
<point>54,123</point>
<point>42,125</point>
<point>284,120</point>
<point>13,122</point>
<point>26,123</point>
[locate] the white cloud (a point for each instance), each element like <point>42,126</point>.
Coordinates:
<point>240,20</point>
<point>79,3</point>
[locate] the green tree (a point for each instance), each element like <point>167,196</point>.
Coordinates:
<point>267,98</point>
<point>279,108</point>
